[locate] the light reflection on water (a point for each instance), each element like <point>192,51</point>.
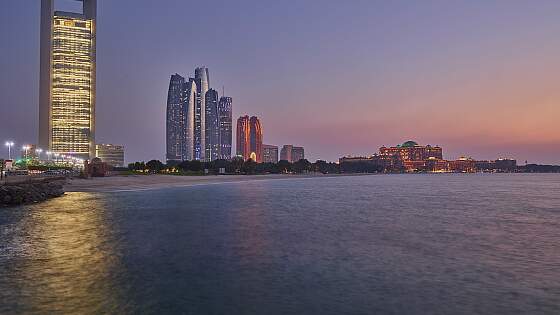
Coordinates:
<point>60,256</point>
<point>443,244</point>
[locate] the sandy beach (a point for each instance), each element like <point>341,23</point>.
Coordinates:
<point>147,182</point>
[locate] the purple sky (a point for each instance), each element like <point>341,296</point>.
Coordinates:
<point>480,78</point>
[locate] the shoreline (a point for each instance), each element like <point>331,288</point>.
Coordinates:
<point>131,183</point>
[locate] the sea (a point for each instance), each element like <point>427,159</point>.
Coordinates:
<point>376,244</point>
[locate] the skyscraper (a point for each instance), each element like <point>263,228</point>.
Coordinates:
<point>256,140</point>
<point>190,103</point>
<point>225,132</point>
<point>202,80</point>
<point>243,136</point>
<point>176,129</point>
<point>212,140</point>
<point>67,80</point>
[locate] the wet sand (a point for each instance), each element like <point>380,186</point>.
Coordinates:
<point>147,182</point>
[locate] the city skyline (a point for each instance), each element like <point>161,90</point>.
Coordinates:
<point>473,89</point>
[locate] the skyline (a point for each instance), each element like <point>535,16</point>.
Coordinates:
<point>492,62</point>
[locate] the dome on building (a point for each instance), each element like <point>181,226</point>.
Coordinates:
<point>409,144</point>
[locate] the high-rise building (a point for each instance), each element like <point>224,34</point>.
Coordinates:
<point>202,79</point>
<point>256,140</point>
<point>67,80</point>
<point>111,154</point>
<point>270,153</point>
<point>291,153</point>
<point>189,98</point>
<point>176,129</point>
<point>225,132</point>
<point>243,136</point>
<point>249,138</point>
<point>181,101</point>
<point>212,134</point>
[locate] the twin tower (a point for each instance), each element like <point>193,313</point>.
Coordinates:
<point>199,125</point>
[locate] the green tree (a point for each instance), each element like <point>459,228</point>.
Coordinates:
<point>284,166</point>
<point>155,166</point>
<point>249,167</point>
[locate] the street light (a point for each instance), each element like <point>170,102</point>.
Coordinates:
<point>26,148</point>
<point>39,151</point>
<point>9,144</point>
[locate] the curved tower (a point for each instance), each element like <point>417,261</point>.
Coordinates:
<point>202,79</point>
<point>190,108</point>
<point>243,137</point>
<point>256,139</point>
<point>175,120</point>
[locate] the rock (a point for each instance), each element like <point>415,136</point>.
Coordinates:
<point>30,192</point>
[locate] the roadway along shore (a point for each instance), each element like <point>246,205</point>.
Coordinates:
<point>147,182</point>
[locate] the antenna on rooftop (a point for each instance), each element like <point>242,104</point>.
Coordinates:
<point>223,91</point>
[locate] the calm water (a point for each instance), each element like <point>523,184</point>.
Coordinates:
<point>400,244</point>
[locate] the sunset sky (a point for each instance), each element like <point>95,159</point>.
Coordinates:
<point>479,78</point>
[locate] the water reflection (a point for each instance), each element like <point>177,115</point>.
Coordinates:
<point>250,224</point>
<point>62,256</point>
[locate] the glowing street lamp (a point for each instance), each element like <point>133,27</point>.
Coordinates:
<point>39,151</point>
<point>48,155</point>
<point>9,144</point>
<point>25,148</point>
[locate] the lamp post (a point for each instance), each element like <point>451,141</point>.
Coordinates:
<point>10,144</point>
<point>25,149</point>
<point>39,151</point>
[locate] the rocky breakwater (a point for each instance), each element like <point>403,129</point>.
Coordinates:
<point>24,193</point>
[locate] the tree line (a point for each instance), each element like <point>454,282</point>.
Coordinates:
<point>237,166</point>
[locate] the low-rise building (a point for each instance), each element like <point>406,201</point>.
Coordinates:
<point>292,153</point>
<point>111,154</point>
<point>270,153</point>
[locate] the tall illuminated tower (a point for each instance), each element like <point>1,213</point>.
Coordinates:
<point>249,138</point>
<point>256,139</point>
<point>212,139</point>
<point>202,79</point>
<point>67,80</point>
<point>224,121</point>
<point>243,137</point>
<point>176,119</point>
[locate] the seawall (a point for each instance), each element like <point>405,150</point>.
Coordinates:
<point>30,192</point>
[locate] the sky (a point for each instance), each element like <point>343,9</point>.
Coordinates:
<point>479,78</point>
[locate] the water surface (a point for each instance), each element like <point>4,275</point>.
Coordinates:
<point>395,244</point>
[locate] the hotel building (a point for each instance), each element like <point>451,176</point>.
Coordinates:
<point>270,153</point>
<point>291,153</point>
<point>249,138</point>
<point>67,80</point>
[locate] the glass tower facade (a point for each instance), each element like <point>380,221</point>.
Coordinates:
<point>202,79</point>
<point>243,136</point>
<point>176,120</point>
<point>181,100</point>
<point>225,126</point>
<point>212,134</point>
<point>67,81</point>
<point>256,139</point>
